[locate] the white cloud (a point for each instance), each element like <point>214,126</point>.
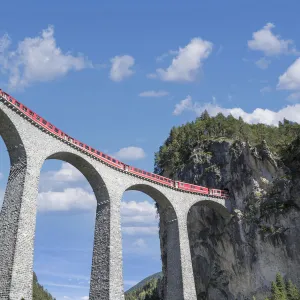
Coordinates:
<point>66,173</point>
<point>139,218</point>
<point>290,80</point>
<point>165,55</point>
<point>140,244</point>
<point>68,199</point>
<point>154,94</point>
<point>263,63</point>
<point>185,104</point>
<point>65,176</point>
<point>130,153</point>
<point>138,212</point>
<point>294,97</point>
<point>264,40</point>
<point>266,89</point>
<point>121,67</point>
<point>85,298</point>
<point>259,115</point>
<point>186,64</point>
<point>37,59</point>
<point>139,230</point>
<point>1,175</point>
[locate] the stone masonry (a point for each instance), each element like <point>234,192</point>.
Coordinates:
<point>29,146</point>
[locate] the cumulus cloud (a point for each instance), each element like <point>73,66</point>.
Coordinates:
<point>139,218</point>
<point>121,67</point>
<point>66,175</point>
<point>186,64</point>
<point>130,153</point>
<point>154,94</point>
<point>266,89</point>
<point>263,63</point>
<point>140,244</point>
<point>140,230</point>
<point>68,199</point>
<point>290,79</point>
<point>185,104</point>
<point>138,212</point>
<point>294,97</point>
<point>266,41</point>
<point>37,59</point>
<point>259,115</point>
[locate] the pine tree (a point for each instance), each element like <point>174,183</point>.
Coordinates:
<point>276,294</point>
<point>281,286</point>
<point>292,292</point>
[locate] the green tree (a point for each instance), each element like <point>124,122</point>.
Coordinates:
<point>292,291</point>
<point>283,291</point>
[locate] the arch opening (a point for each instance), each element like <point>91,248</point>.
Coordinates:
<point>206,222</point>
<point>150,240</point>
<point>67,207</point>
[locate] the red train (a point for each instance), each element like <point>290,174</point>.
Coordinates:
<point>51,129</point>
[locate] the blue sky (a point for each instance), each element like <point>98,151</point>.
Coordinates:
<point>118,75</point>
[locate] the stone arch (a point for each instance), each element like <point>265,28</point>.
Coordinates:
<point>88,171</point>
<point>219,205</point>
<point>164,203</point>
<point>99,285</point>
<point>169,241</point>
<point>12,139</point>
<point>206,220</point>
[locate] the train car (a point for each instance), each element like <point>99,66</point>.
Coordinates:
<point>191,187</point>
<point>154,177</point>
<point>219,193</point>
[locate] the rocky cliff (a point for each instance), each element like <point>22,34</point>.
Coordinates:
<point>238,258</point>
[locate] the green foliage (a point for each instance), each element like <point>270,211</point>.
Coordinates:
<point>176,150</point>
<point>147,292</point>
<point>39,293</point>
<point>283,290</point>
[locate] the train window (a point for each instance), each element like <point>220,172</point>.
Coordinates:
<point>56,130</point>
<point>50,126</point>
<point>98,153</point>
<point>108,157</point>
<point>24,108</point>
<point>87,147</point>
<point>141,171</point>
<point>103,155</point>
<point>148,174</point>
<point>113,160</point>
<point>38,118</point>
<point>80,144</point>
<point>17,103</point>
<point>144,172</point>
<point>31,113</point>
<point>10,99</point>
<point>135,169</point>
<point>44,122</point>
<point>93,150</point>
<point>153,175</point>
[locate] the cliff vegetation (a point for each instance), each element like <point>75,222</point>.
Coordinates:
<point>239,257</point>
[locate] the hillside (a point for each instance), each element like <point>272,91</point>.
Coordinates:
<point>260,166</point>
<point>39,293</point>
<point>147,289</point>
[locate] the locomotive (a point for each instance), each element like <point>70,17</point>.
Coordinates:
<point>54,131</point>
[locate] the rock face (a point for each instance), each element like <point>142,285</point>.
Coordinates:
<point>239,258</point>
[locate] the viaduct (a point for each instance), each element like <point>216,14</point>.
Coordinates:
<point>29,145</point>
